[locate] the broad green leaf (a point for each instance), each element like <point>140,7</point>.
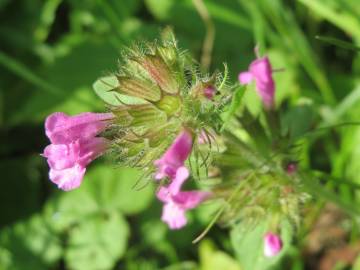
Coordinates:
<point>97,243</point>
<point>104,189</point>
<point>249,245</point>
<point>118,189</point>
<point>70,208</point>
<point>29,245</point>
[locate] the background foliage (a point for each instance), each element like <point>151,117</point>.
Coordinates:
<point>52,51</point>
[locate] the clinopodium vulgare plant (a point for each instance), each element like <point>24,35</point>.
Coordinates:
<point>174,123</point>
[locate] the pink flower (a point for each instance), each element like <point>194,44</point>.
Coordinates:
<point>61,128</point>
<point>175,205</point>
<point>209,92</point>
<point>174,158</point>
<point>74,146</point>
<point>272,244</point>
<point>260,70</point>
<point>291,168</point>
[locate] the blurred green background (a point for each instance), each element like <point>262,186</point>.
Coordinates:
<point>52,51</point>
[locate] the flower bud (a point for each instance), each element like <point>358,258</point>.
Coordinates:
<point>272,244</point>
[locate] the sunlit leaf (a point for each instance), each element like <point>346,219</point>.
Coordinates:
<point>97,243</point>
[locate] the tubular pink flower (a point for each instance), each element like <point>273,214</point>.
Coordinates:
<point>174,158</point>
<point>74,145</point>
<point>260,70</point>
<point>61,128</point>
<point>175,205</point>
<point>272,245</point>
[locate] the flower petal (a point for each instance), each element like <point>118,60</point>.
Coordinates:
<point>245,77</point>
<point>68,179</point>
<point>265,85</point>
<point>174,216</point>
<point>175,156</point>
<point>190,199</point>
<point>62,156</point>
<point>91,149</point>
<point>62,129</point>
<point>181,175</point>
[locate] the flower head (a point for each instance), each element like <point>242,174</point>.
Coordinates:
<point>175,205</point>
<point>272,244</point>
<point>260,70</point>
<point>74,146</point>
<point>154,99</point>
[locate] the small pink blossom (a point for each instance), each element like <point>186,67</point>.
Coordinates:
<point>74,146</point>
<point>272,245</point>
<point>174,158</point>
<point>175,205</point>
<point>209,92</point>
<point>260,70</point>
<point>291,168</point>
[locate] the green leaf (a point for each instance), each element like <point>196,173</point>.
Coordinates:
<point>29,245</point>
<point>116,188</point>
<point>104,189</point>
<point>70,208</point>
<point>97,243</point>
<point>249,246</point>
<point>213,259</point>
<point>339,43</point>
<point>297,121</point>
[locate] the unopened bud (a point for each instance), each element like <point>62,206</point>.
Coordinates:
<point>272,245</point>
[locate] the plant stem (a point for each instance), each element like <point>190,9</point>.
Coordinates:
<point>209,36</point>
